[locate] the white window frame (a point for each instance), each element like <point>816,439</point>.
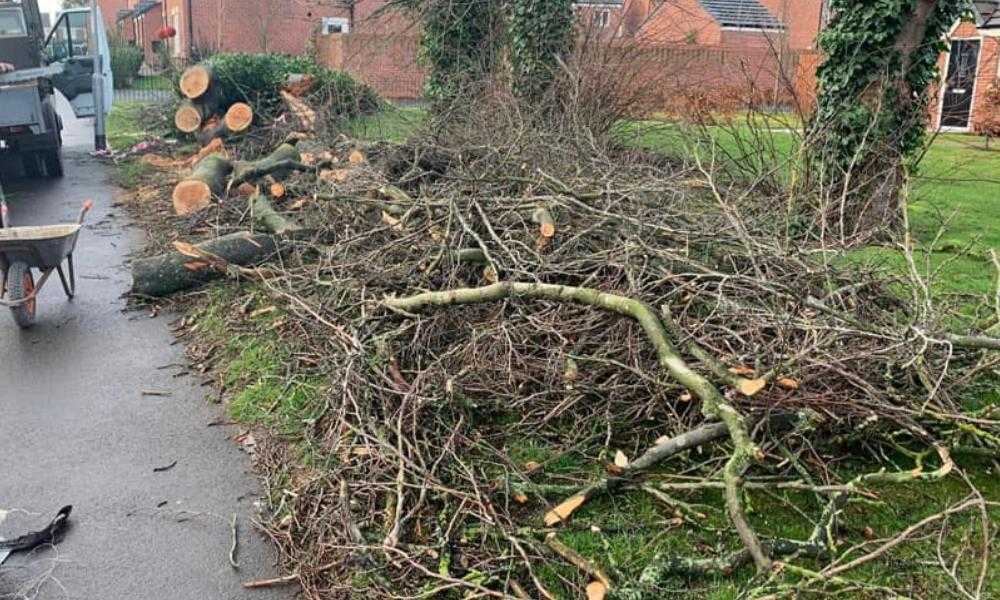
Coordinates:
<point>329,22</point>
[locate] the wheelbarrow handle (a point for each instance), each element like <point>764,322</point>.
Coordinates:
<point>87,205</point>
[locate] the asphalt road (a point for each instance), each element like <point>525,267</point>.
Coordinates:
<point>75,429</point>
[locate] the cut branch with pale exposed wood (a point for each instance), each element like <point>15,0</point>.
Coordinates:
<point>196,80</point>
<point>206,181</point>
<point>178,271</point>
<point>238,118</point>
<point>268,218</point>
<point>301,110</point>
<point>284,159</point>
<point>704,434</point>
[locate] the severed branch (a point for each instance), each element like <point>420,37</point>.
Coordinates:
<point>704,434</point>
<point>270,219</point>
<point>714,405</point>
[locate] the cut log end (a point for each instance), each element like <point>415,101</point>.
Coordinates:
<point>239,117</point>
<point>195,81</point>
<point>187,119</point>
<point>277,190</point>
<point>191,196</point>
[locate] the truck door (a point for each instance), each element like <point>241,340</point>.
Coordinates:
<point>73,44</point>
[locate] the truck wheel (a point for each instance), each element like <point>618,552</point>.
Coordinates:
<point>53,163</point>
<point>32,165</point>
<point>20,285</point>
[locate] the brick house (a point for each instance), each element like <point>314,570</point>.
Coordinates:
<point>793,24</point>
<point>137,22</point>
<point>284,26</point>
<point>968,98</point>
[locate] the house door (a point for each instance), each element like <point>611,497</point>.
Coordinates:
<point>956,105</point>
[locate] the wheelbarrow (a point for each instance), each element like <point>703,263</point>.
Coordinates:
<point>42,248</point>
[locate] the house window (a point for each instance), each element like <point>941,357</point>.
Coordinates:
<point>333,25</point>
<point>602,18</point>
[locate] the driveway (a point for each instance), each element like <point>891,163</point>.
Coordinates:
<point>75,428</point>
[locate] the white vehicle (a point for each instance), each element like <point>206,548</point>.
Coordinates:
<point>61,60</point>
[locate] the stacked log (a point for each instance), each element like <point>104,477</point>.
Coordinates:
<point>202,101</point>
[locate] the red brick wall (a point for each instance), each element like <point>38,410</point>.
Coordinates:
<point>801,18</point>
<point>109,10</point>
<point>986,105</point>
<point>805,79</point>
<point>150,25</point>
<point>679,22</point>
<point>693,80</point>
<point>283,26</point>
<point>752,39</point>
<point>388,63</point>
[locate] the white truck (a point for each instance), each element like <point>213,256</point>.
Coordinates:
<point>61,59</point>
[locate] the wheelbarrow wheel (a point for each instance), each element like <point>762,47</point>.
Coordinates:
<point>20,285</point>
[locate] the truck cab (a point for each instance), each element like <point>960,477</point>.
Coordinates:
<point>61,59</point>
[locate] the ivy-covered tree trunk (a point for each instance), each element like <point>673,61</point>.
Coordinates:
<point>872,105</point>
<point>541,31</point>
<point>459,45</point>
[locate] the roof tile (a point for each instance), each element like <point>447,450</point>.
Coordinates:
<point>745,14</point>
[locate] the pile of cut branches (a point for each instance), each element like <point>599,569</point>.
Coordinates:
<point>500,282</point>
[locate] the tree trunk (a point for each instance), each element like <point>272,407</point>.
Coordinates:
<point>197,80</point>
<point>238,117</point>
<point>236,121</point>
<point>174,272</point>
<point>191,114</point>
<point>207,180</point>
<point>284,159</point>
<point>872,108</point>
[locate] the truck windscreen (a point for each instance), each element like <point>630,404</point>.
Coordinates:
<point>12,23</point>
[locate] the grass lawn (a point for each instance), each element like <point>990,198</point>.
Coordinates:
<point>125,125</point>
<point>393,124</point>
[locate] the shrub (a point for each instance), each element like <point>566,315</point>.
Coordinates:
<point>126,60</point>
<point>258,78</point>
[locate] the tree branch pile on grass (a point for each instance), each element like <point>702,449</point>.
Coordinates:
<point>532,286</point>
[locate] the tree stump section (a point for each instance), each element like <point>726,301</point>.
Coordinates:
<point>238,118</point>
<point>191,114</point>
<point>207,180</point>
<point>196,81</point>
<point>236,121</point>
<point>284,158</point>
<point>175,272</point>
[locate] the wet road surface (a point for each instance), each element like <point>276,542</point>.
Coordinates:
<point>76,429</point>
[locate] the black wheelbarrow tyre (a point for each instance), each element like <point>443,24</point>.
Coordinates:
<point>20,284</point>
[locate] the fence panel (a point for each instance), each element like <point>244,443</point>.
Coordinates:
<point>143,69</point>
